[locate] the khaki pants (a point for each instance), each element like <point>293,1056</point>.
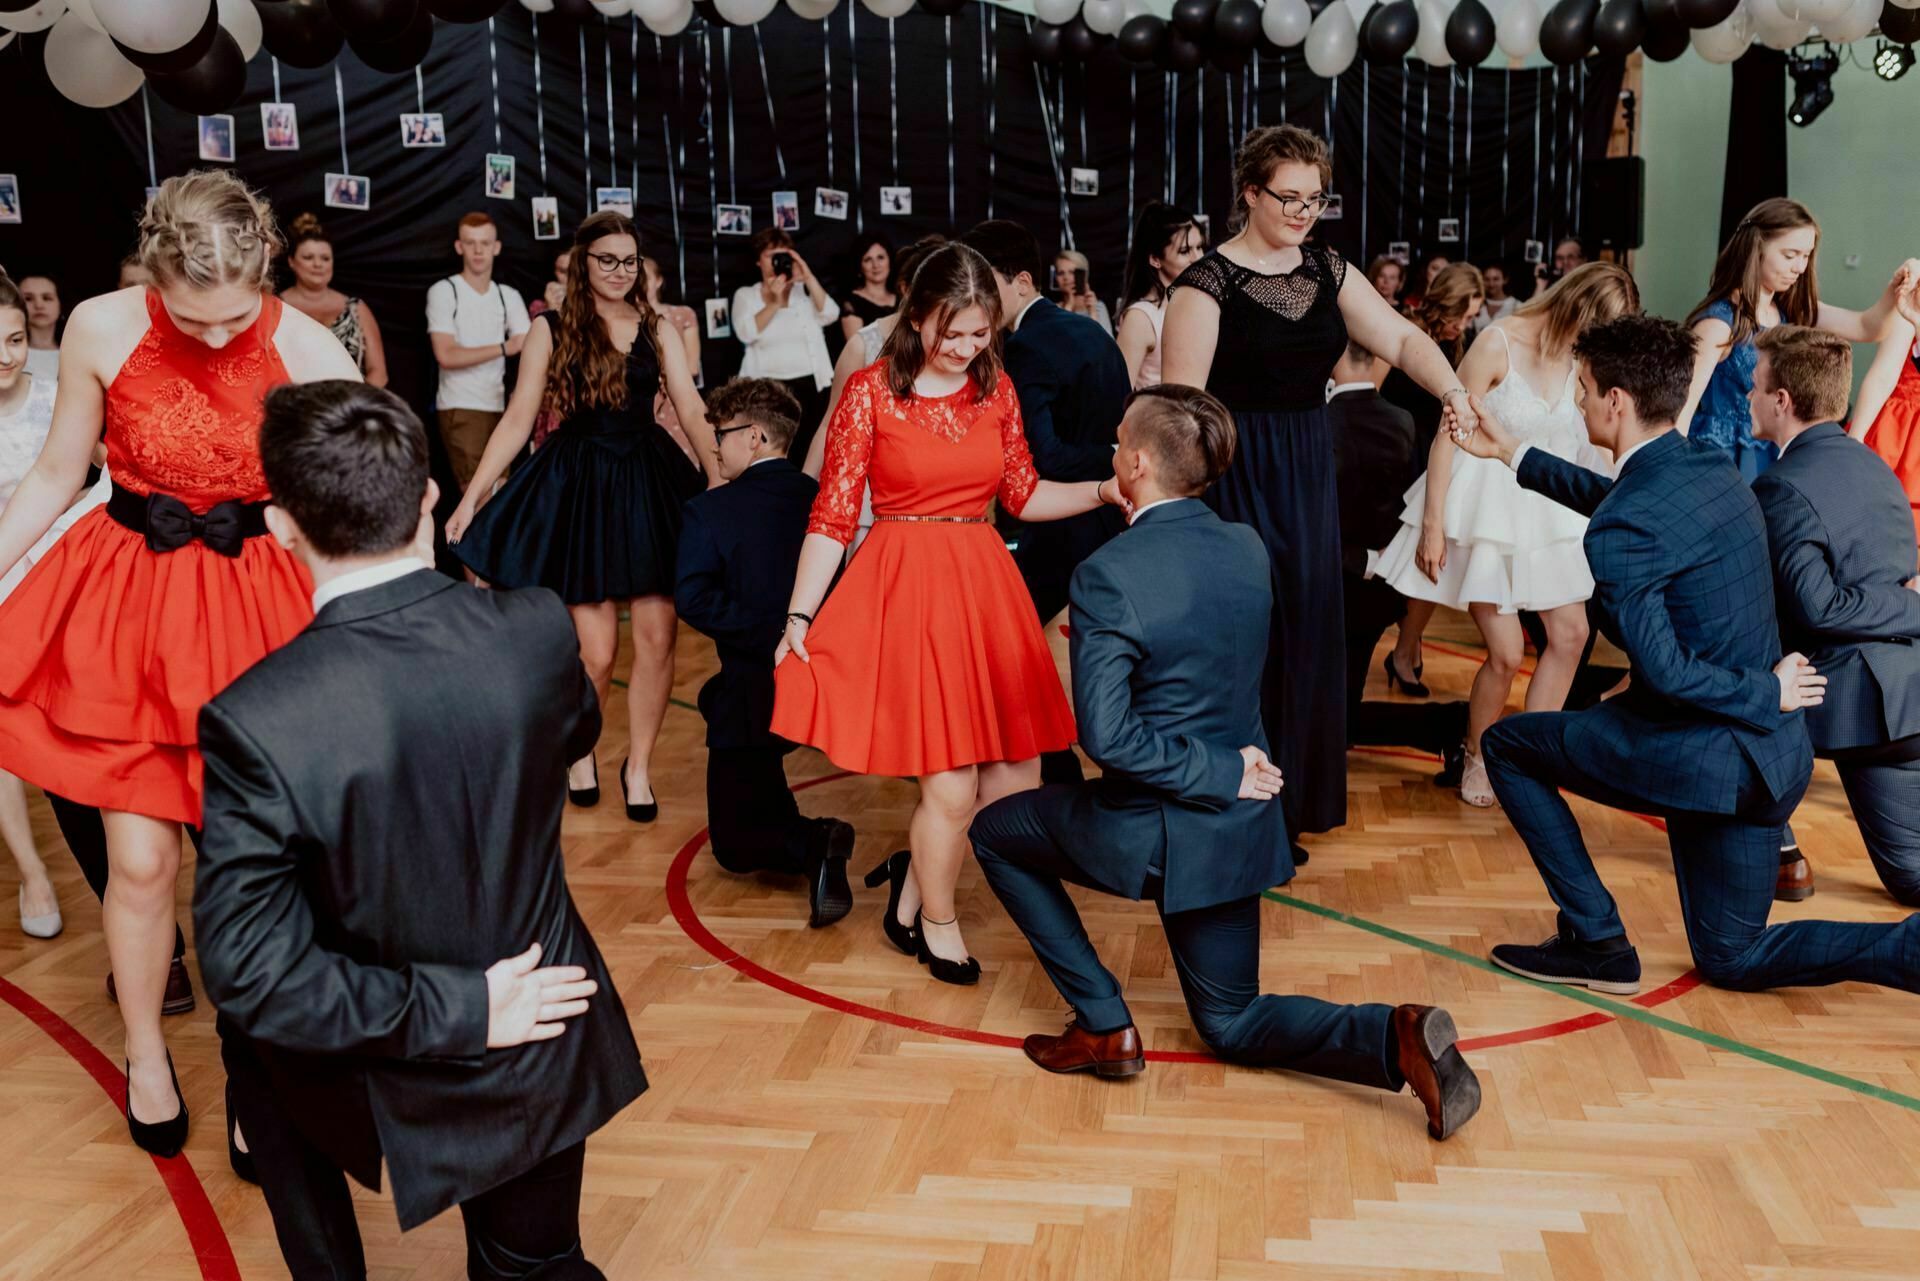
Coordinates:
<point>465,432</point>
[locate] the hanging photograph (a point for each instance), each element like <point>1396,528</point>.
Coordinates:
<point>499,177</point>
<point>1450,230</point>
<point>546,218</point>
<point>1083,182</point>
<point>348,191</point>
<point>9,198</point>
<point>1535,251</point>
<point>423,129</point>
<point>618,199</point>
<point>280,125</point>
<point>1400,250</point>
<point>896,202</point>
<point>829,203</point>
<point>733,220</point>
<point>216,138</point>
<point>1335,210</point>
<point>719,318</point>
<point>786,210</point>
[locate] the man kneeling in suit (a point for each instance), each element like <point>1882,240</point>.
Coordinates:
<point>383,806</point>
<point>1184,813</point>
<point>1841,533</point>
<point>739,549</point>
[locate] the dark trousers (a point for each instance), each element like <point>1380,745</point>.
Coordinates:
<point>1883,787</point>
<point>1371,607</point>
<point>1046,554</point>
<point>1216,953</point>
<point>526,1228</point>
<point>813,407</point>
<point>86,835</point>
<point>753,823</point>
<point>1726,866</point>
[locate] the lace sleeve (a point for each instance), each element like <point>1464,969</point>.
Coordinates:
<point>1018,479</point>
<point>1336,268</point>
<point>1209,276</point>
<point>843,475</point>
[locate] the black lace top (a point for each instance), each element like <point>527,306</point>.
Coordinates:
<point>1280,334</point>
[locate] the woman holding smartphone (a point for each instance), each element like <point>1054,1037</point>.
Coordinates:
<point>781,320</point>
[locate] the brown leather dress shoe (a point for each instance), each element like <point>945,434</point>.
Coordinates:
<point>1078,1050</point>
<point>1423,1037</point>
<point>178,998</point>
<point>1795,884</point>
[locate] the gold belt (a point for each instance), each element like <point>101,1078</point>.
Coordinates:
<point>936,520</point>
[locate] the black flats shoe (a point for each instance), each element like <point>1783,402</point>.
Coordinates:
<point>584,797</point>
<point>1414,688</point>
<point>638,813</point>
<point>894,872</point>
<point>957,973</point>
<point>162,1138</point>
<point>242,1162</point>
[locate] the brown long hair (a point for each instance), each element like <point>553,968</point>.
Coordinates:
<point>947,282</point>
<point>1456,286</point>
<point>1736,272</point>
<point>586,371</point>
<point>1591,294</point>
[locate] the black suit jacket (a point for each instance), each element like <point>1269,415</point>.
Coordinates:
<point>1841,533</point>
<point>1379,457</point>
<point>1164,707</point>
<point>739,548</point>
<point>1073,387</point>
<point>383,799</point>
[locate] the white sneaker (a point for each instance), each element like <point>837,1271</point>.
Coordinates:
<point>39,927</point>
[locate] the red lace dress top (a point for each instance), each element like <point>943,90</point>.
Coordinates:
<point>111,648</point>
<point>928,655</point>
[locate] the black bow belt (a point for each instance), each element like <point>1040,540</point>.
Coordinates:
<point>169,524</point>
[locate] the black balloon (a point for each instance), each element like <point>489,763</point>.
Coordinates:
<point>15,6</point>
<point>1236,24</point>
<point>187,55</point>
<point>1902,26</point>
<point>581,10</point>
<point>1183,53</point>
<point>1194,17</point>
<point>402,53</point>
<point>1470,33</point>
<point>1665,43</point>
<point>1078,40</point>
<point>465,10</point>
<point>1141,38</point>
<point>1391,31</point>
<point>374,20</point>
<point>301,33</point>
<point>942,8</point>
<point>1046,42</point>
<point>212,84</point>
<point>1566,33</point>
<point>1229,57</point>
<point>1662,13</point>
<point>1620,27</point>
<point>1701,14</point>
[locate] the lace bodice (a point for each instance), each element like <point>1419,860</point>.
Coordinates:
<point>22,433</point>
<point>1280,334</point>
<point>1524,410</point>
<point>183,418</point>
<point>924,456</point>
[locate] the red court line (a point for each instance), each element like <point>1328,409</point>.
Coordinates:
<point>204,1233</point>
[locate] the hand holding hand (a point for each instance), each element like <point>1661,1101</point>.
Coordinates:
<point>793,641</point>
<point>1800,685</point>
<point>1488,437</point>
<point>1260,778</point>
<point>527,1004</point>
<point>1906,296</point>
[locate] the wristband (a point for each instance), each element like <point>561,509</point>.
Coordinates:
<point>805,618</point>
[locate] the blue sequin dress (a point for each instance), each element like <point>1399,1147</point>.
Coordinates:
<point>1722,417</point>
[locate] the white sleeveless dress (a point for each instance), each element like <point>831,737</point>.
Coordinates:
<point>1506,546</point>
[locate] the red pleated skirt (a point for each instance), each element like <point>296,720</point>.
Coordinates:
<point>1895,436</point>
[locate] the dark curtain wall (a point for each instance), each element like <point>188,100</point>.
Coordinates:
<point>1757,150</point>
<point>953,108</point>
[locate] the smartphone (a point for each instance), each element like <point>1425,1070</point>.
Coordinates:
<point>1079,280</point>
<point>783,263</point>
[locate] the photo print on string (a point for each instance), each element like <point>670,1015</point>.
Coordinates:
<point>280,126</point>
<point>719,318</point>
<point>499,176</point>
<point>829,202</point>
<point>1401,251</point>
<point>9,198</point>
<point>896,202</point>
<point>1335,210</point>
<point>617,199</point>
<point>1450,230</point>
<point>786,210</point>
<point>216,138</point>
<point>733,220</point>
<point>1535,251</point>
<point>348,191</point>
<point>546,218</point>
<point>423,129</point>
<point>1083,182</point>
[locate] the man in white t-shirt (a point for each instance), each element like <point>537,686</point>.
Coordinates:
<point>474,323</point>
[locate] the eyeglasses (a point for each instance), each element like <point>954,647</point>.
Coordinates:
<point>1293,207</point>
<point>610,264</point>
<point>721,433</point>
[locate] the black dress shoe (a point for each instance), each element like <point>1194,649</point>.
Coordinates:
<point>958,973</point>
<point>1607,965</point>
<point>178,998</point>
<point>1300,855</point>
<point>894,872</point>
<point>162,1138</point>
<point>584,797</point>
<point>1415,688</point>
<point>1453,763</point>
<point>242,1162</point>
<point>638,813</point>
<point>828,896</point>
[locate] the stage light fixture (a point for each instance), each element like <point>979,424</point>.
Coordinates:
<point>1891,61</point>
<point>1812,74</point>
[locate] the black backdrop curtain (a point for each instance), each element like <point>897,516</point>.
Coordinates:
<point>1757,150</point>
<point>953,108</point>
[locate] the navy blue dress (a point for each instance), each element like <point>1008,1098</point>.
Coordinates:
<point>1280,335</point>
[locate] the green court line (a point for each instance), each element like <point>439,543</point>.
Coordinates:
<point>1618,1009</point>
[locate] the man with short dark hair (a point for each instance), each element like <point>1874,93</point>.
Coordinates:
<point>1708,736</point>
<point>1841,533</point>
<point>383,799</point>
<point>739,550</point>
<point>1183,814</point>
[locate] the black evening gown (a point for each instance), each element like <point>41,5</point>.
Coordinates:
<point>1279,338</point>
<point>595,513</point>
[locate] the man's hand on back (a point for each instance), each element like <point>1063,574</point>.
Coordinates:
<point>1260,779</point>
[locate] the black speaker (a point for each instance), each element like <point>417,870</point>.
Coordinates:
<point>1615,212</point>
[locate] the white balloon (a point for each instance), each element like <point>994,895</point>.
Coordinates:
<point>1056,11</point>
<point>1285,22</point>
<point>1816,10</point>
<point>37,17</point>
<point>84,65</point>
<point>1104,17</point>
<point>1726,41</point>
<point>152,26</point>
<point>6,38</point>
<point>673,23</point>
<point>537,6</point>
<point>888,8</point>
<point>1518,31</point>
<point>813,10</point>
<point>652,11</point>
<point>1430,45</point>
<point>242,22</point>
<point>613,8</point>
<point>85,9</point>
<point>1856,23</point>
<point>1332,41</point>
<point>1135,8</point>
<point>744,13</point>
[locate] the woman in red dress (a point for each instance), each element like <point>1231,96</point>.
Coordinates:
<point>1887,414</point>
<point>928,660</point>
<point>151,604</point>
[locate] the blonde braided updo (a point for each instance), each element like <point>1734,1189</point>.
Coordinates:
<point>207,230</point>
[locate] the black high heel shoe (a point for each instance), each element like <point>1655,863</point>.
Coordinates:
<point>954,972</point>
<point>584,797</point>
<point>242,1162</point>
<point>161,1138</point>
<point>638,813</point>
<point>893,870</point>
<point>1415,688</point>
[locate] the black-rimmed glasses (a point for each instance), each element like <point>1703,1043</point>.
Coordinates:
<point>1293,206</point>
<point>610,264</point>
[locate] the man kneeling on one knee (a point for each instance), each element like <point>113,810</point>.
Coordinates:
<point>1183,814</point>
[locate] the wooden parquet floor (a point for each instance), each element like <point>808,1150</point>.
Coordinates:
<point>791,1134</point>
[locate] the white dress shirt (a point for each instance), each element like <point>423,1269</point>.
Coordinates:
<point>359,580</point>
<point>1138,512</point>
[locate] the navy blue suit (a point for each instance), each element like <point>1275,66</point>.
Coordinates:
<point>1164,707</point>
<point>1683,584</point>
<point>1841,531</point>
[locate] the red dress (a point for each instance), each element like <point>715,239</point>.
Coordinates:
<point>928,655</point>
<point>1895,434</point>
<point>111,648</point>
